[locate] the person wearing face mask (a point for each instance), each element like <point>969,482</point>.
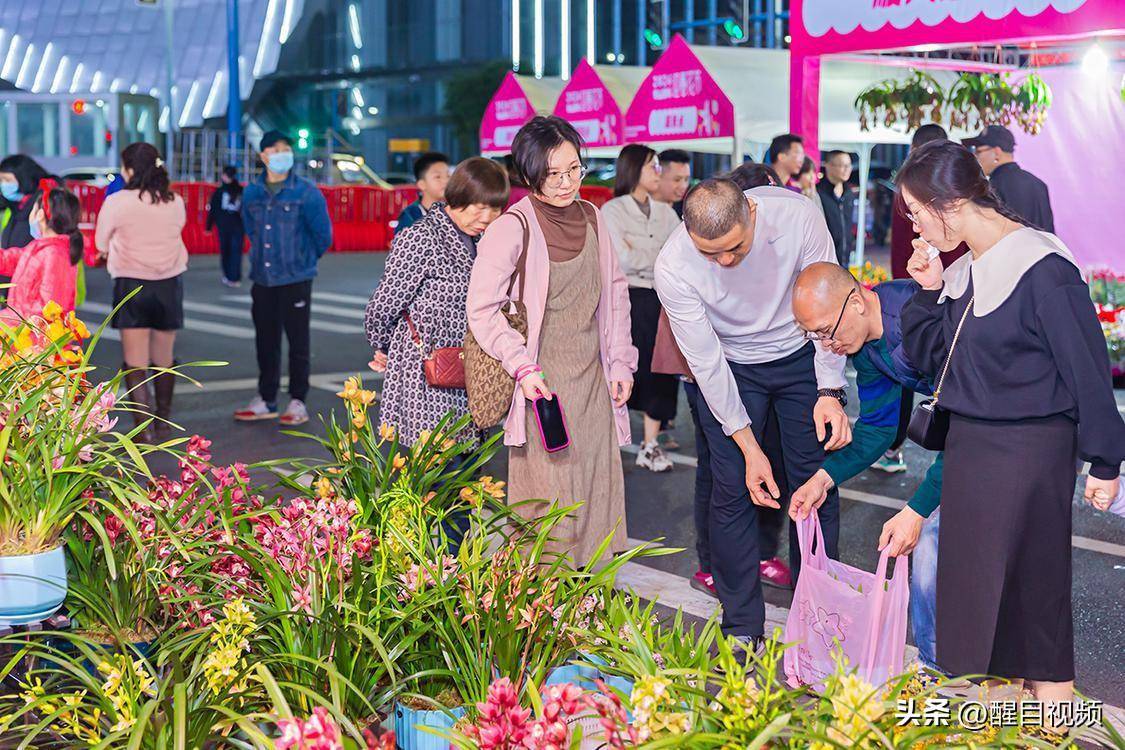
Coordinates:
<point>639,227</point>
<point>865,324</point>
<point>578,348</point>
<point>286,218</point>
<point>46,269</point>
<point>225,213</point>
<point>419,305</point>
<point>725,278</point>
<point>1013,342</point>
<point>139,234</point>
<point>19,179</point>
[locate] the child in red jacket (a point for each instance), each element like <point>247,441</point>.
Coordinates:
<point>46,270</point>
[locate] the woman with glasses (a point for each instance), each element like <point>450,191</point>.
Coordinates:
<point>1014,344</point>
<point>578,348</point>
<point>639,226</point>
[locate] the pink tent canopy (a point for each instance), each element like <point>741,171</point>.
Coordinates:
<point>518,99</point>
<point>594,99</point>
<point>679,100</point>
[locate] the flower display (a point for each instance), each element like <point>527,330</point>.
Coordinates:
<point>225,664</point>
<point>870,274</point>
<point>653,709</point>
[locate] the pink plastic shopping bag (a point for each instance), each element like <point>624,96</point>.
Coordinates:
<point>838,607</point>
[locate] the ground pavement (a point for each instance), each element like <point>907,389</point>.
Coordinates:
<point>218,327</point>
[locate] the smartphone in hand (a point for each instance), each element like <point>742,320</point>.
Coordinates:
<point>552,423</point>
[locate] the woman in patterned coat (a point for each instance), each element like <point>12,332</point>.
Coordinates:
<point>427,278</point>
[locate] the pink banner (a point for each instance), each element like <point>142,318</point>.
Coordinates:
<point>679,100</point>
<point>588,105</point>
<point>830,26</point>
<point>505,114</point>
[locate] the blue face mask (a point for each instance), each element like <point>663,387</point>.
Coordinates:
<point>36,233</point>
<point>281,162</point>
<point>10,190</point>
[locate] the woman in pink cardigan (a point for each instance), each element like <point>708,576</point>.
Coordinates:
<point>578,347</point>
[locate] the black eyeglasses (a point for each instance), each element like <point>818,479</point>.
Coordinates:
<point>818,336</point>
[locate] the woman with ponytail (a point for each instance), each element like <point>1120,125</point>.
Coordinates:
<point>139,232</point>
<point>1010,337</point>
<point>45,270</point>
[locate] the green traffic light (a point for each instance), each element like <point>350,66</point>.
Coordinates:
<point>303,133</point>
<point>653,38</point>
<point>732,28</point>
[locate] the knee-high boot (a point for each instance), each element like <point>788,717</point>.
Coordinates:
<point>135,381</point>
<point>164,384</point>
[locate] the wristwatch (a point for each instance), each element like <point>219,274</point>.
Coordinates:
<point>837,393</point>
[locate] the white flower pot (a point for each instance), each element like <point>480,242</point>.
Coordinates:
<point>32,587</point>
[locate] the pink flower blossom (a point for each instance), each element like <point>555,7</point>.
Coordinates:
<point>318,732</point>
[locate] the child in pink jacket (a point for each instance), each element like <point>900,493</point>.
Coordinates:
<point>46,270</point>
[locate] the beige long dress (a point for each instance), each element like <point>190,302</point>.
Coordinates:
<point>589,471</point>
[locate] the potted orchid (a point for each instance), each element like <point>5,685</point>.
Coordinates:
<point>56,446</point>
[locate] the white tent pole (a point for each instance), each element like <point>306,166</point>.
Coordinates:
<point>736,153</point>
<point>861,222</point>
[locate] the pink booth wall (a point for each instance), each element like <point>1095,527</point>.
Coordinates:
<point>1080,154</point>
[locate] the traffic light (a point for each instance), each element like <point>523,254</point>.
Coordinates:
<point>78,106</point>
<point>733,29</point>
<point>654,39</point>
<point>303,138</point>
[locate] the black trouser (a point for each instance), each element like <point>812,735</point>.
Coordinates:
<point>230,251</point>
<point>789,386</point>
<point>274,309</point>
<point>770,519</point>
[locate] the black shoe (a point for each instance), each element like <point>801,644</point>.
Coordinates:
<point>164,384</point>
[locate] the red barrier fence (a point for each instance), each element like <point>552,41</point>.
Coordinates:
<point>361,215</point>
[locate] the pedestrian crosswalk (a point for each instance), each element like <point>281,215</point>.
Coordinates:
<point>332,313</point>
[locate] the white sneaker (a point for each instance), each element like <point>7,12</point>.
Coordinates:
<point>651,457</point>
<point>257,409</point>
<point>295,414</point>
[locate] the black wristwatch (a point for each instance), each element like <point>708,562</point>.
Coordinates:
<point>837,393</point>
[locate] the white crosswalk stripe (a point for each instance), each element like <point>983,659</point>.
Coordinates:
<point>332,306</point>
<point>319,308</point>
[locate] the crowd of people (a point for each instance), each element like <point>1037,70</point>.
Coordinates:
<point>738,289</point>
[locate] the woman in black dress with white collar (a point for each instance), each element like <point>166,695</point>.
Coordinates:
<point>1029,392</point>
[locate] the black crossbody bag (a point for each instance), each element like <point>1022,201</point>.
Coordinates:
<point>929,423</point>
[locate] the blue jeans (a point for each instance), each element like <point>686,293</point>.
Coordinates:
<point>923,589</point>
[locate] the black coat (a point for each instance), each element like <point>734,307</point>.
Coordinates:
<point>838,215</point>
<point>1025,194</point>
<point>225,209</point>
<point>17,233</point>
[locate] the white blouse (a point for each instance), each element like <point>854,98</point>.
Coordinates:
<point>639,238</point>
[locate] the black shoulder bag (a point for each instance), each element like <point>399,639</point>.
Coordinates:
<point>929,423</point>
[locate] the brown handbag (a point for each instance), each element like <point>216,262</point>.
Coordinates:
<point>488,384</point>
<point>444,367</point>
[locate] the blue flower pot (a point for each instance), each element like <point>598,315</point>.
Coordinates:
<point>409,720</point>
<point>32,587</point>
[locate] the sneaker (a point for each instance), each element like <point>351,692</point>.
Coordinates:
<point>652,458</point>
<point>890,462</point>
<point>295,414</point>
<point>667,442</point>
<point>775,573</point>
<point>752,648</point>
<point>232,284</point>
<point>704,582</point>
<point>257,409</point>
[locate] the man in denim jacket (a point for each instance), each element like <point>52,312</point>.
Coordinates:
<point>286,218</point>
